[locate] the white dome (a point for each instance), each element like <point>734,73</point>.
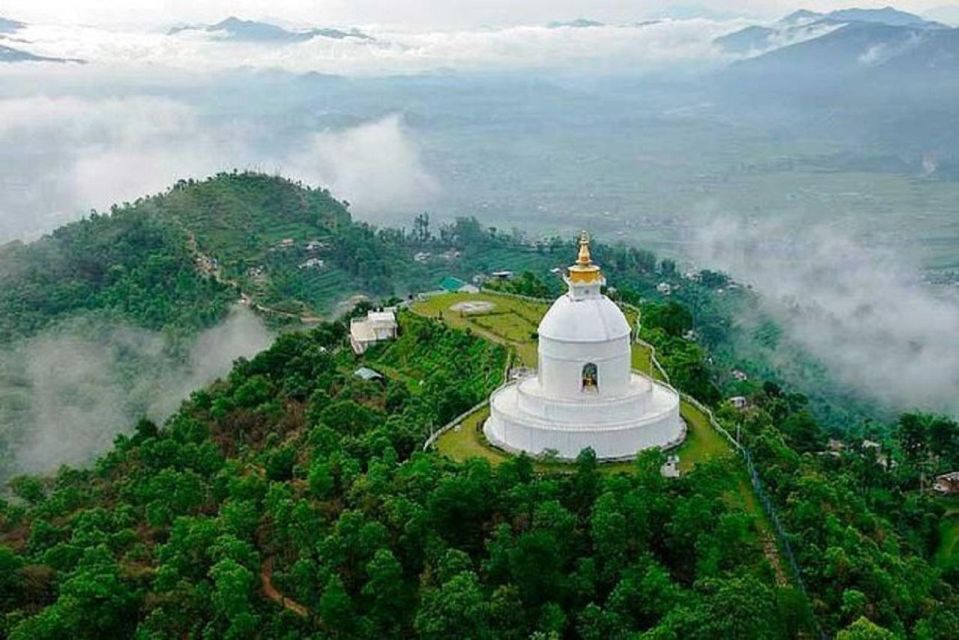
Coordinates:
<point>593,319</point>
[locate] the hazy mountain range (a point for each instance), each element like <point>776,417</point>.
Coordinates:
<point>806,25</point>
<point>10,26</point>
<point>237,30</point>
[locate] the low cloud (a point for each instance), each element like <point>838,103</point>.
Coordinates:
<point>859,310</point>
<point>62,156</point>
<point>375,166</point>
<point>66,393</point>
<point>623,47</point>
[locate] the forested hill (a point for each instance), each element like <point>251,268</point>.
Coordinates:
<point>291,500</point>
<point>178,259</point>
<point>154,262</point>
<point>128,264</point>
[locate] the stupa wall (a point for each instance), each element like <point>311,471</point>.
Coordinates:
<point>561,367</point>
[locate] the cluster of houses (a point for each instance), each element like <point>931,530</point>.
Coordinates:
<point>312,263</point>
<point>311,247</point>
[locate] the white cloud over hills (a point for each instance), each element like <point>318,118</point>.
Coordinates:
<point>859,310</point>
<point>61,156</point>
<point>622,46</point>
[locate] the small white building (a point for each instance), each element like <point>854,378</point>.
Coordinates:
<point>422,257</point>
<point>871,445</point>
<point>739,402</point>
<point>377,326</point>
<point>740,375</point>
<point>664,288</point>
<point>312,263</point>
<point>450,255</point>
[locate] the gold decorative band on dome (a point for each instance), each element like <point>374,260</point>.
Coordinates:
<point>584,271</point>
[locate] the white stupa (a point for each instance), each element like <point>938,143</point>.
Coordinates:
<point>584,393</point>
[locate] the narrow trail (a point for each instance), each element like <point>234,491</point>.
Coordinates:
<point>271,592</point>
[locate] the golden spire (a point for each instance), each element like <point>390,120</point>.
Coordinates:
<point>584,271</point>
<point>584,257</point>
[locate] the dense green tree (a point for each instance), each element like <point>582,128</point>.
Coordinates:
<point>336,607</point>
<point>864,629</point>
<point>455,609</point>
<point>386,592</point>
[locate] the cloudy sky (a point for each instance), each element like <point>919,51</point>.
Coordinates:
<point>415,13</point>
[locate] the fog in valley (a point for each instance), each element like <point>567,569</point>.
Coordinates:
<point>787,156</point>
<point>66,393</point>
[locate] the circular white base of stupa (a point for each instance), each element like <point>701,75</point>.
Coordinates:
<point>616,428</point>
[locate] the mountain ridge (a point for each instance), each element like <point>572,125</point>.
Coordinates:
<point>292,498</point>
<point>805,26</point>
<point>10,26</point>
<point>12,55</point>
<point>238,30</point>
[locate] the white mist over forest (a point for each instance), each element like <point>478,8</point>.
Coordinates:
<point>74,154</point>
<point>69,391</point>
<point>862,311</point>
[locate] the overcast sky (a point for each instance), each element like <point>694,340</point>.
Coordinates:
<point>434,13</point>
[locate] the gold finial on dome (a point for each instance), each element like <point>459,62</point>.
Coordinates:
<point>584,271</point>
<point>584,257</point>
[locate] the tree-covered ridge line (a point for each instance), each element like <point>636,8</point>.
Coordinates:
<point>125,264</point>
<point>174,260</point>
<point>294,463</point>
